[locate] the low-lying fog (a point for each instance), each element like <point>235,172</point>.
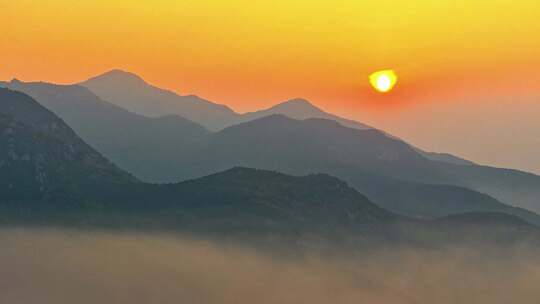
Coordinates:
<point>51,266</point>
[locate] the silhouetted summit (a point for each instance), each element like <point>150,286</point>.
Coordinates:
<point>131,92</point>
<point>119,76</point>
<point>300,108</point>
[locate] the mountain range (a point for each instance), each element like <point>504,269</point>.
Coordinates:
<point>391,172</point>
<point>131,92</point>
<point>52,177</point>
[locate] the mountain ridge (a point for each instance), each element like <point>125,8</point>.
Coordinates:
<point>168,153</point>
<point>133,142</point>
<point>133,93</point>
<point>297,108</point>
<point>84,190</point>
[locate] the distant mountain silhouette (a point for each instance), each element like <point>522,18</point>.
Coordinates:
<point>312,143</point>
<point>302,109</point>
<point>299,109</point>
<point>131,92</point>
<point>389,171</point>
<point>518,188</point>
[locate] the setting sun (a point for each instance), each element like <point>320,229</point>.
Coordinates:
<point>383,81</point>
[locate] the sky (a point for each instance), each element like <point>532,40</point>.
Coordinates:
<point>469,71</point>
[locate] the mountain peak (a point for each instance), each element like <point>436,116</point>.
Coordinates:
<point>301,109</point>
<point>119,72</point>
<point>118,75</point>
<point>298,100</point>
<point>296,103</point>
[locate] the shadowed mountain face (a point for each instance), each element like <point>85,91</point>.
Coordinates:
<point>237,201</point>
<point>129,91</point>
<point>247,201</point>
<point>41,156</point>
<point>316,145</point>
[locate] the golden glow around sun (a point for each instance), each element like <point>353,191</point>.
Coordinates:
<point>383,81</point>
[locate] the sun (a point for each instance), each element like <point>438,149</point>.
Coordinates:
<point>383,81</point>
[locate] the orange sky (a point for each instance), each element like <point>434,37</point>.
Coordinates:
<point>251,54</point>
